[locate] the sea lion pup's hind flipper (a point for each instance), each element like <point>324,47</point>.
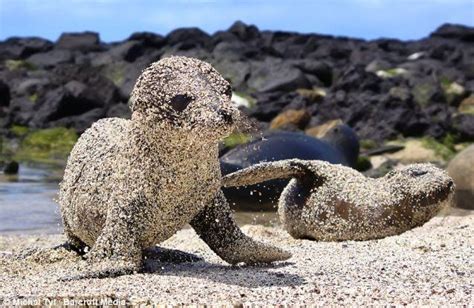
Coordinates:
<point>217,228</point>
<point>289,168</point>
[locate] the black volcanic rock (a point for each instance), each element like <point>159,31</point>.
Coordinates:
<point>51,58</point>
<point>244,32</point>
<point>4,94</point>
<point>148,39</point>
<point>276,75</point>
<point>20,48</point>
<point>451,31</point>
<point>84,41</point>
<point>463,124</point>
<point>383,88</point>
<point>188,38</point>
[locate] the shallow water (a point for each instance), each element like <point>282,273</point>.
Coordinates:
<point>27,203</point>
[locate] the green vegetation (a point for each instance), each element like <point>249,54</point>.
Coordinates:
<point>367,144</point>
<point>363,163</point>
<point>45,145</point>
<point>115,73</point>
<point>453,91</point>
<point>19,130</point>
<point>33,97</point>
<point>444,148</point>
<point>422,93</point>
<point>13,65</point>
<point>235,139</point>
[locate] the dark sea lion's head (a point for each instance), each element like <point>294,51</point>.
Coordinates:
<point>343,138</point>
<point>185,94</point>
<point>421,184</point>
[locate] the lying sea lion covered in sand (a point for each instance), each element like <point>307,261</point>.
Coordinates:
<point>329,202</point>
<point>131,184</point>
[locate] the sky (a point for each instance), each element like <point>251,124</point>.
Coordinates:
<point>116,19</point>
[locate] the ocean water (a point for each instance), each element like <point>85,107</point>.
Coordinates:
<point>27,203</point>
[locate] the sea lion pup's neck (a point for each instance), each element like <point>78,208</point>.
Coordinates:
<point>166,145</point>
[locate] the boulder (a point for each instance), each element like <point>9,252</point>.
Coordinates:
<point>461,169</point>
<point>51,58</point>
<point>84,41</point>
<point>128,51</point>
<point>269,105</point>
<point>378,65</point>
<point>11,167</point>
<point>276,75</point>
<point>452,31</point>
<point>119,111</point>
<point>426,92</point>
<point>321,69</point>
<point>21,110</point>
<point>80,122</point>
<point>236,72</point>
<point>297,118</point>
<point>188,38</point>
<point>21,48</point>
<point>320,131</point>
<point>356,78</point>
<point>243,31</point>
<point>4,94</point>
<point>415,151</point>
<point>234,51</point>
<point>31,87</point>
<point>466,106</point>
<point>74,98</point>
<point>148,39</point>
<point>463,124</point>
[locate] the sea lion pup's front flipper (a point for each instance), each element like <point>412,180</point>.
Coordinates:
<point>117,250</point>
<point>217,228</point>
<point>289,168</point>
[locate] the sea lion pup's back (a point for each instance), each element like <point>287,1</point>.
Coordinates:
<point>94,158</point>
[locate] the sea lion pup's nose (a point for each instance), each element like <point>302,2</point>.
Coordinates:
<point>450,184</point>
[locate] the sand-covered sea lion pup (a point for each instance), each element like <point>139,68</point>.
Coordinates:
<point>335,203</point>
<point>131,184</point>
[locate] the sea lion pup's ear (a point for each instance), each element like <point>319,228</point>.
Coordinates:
<point>289,168</point>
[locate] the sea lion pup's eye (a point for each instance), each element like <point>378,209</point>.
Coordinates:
<point>180,102</point>
<point>417,172</point>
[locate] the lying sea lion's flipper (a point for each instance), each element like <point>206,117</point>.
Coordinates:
<point>289,168</point>
<point>215,225</point>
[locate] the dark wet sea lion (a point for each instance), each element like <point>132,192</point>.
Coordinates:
<point>340,145</point>
<point>329,202</point>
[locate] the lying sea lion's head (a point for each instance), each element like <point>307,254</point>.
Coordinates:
<point>185,94</point>
<point>422,184</point>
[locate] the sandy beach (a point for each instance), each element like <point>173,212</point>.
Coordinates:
<point>430,265</point>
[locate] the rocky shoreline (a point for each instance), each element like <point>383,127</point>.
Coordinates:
<point>384,88</point>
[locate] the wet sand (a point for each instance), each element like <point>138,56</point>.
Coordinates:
<point>430,265</point>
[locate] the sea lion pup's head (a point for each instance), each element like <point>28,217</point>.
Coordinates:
<point>185,95</point>
<point>422,184</point>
